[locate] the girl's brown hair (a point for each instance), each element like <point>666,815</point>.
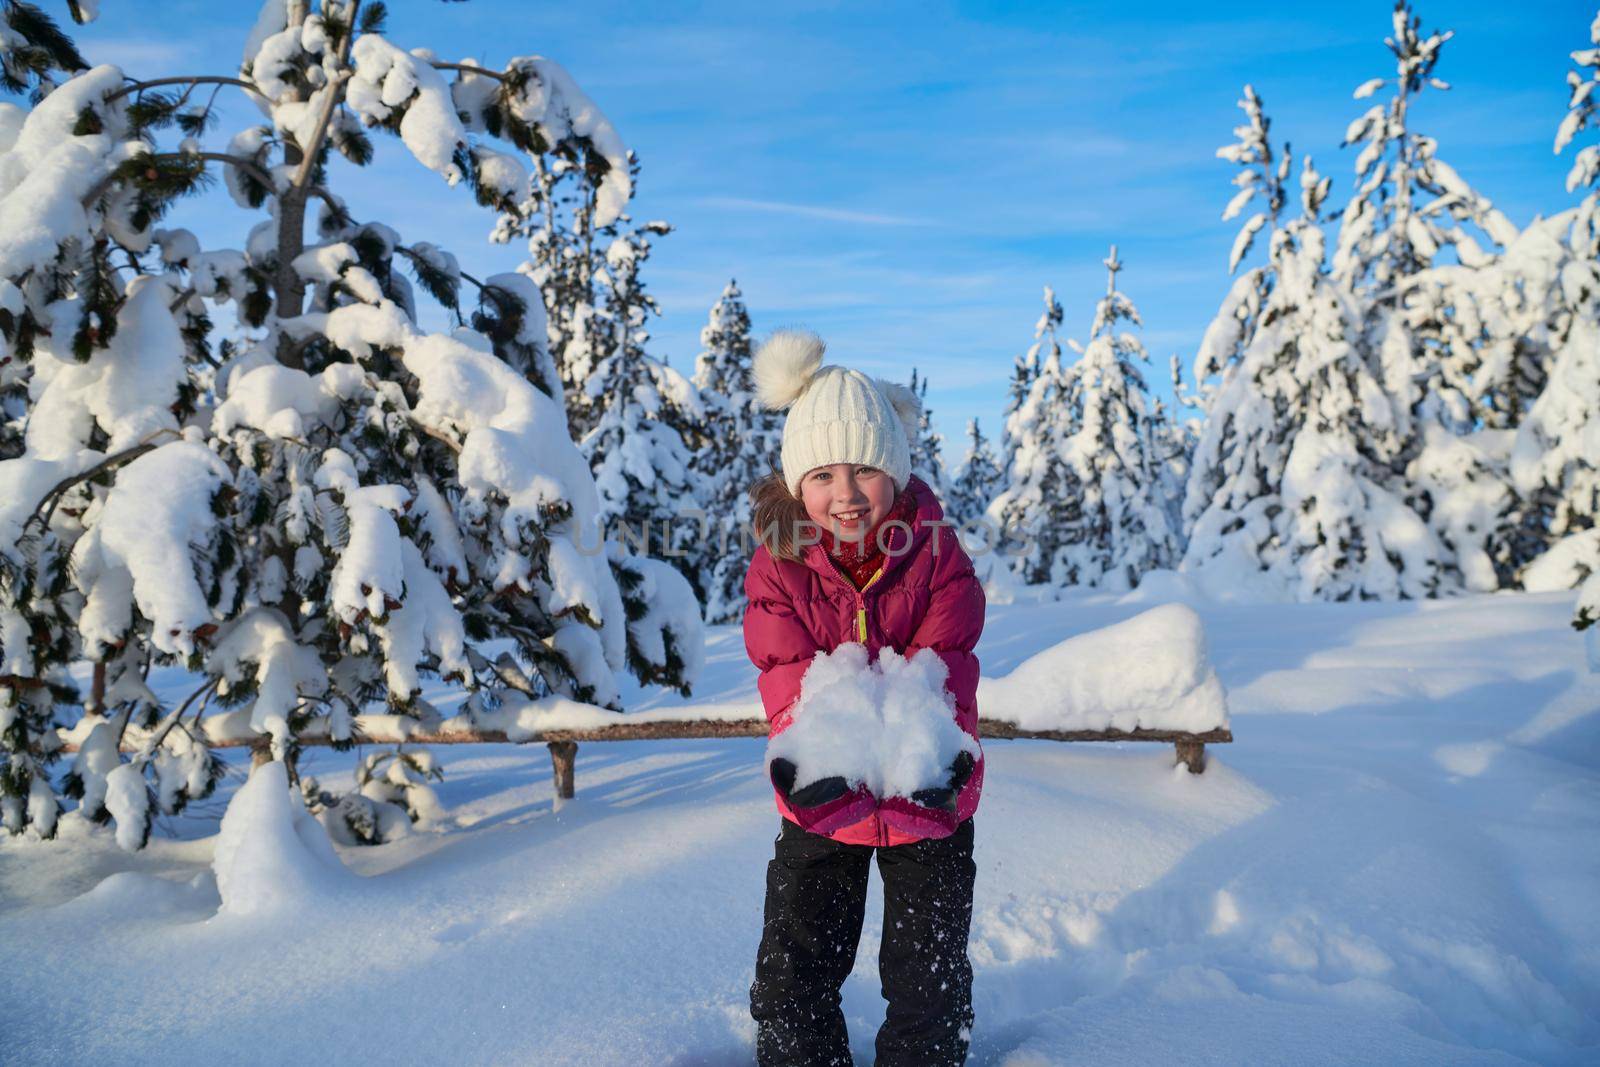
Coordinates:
<point>776,515</point>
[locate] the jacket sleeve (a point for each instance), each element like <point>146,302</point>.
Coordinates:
<point>953,622</point>
<point>776,638</point>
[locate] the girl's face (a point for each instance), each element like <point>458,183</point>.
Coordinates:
<point>847,499</point>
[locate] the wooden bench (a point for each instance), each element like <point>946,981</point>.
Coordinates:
<point>1169,624</point>
<point>563,744</point>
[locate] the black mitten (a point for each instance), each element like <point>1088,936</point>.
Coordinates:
<point>943,797</point>
<point>819,792</point>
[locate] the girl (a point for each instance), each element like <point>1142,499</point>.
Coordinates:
<point>854,548</point>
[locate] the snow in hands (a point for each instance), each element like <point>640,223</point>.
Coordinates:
<point>888,725</point>
<point>324,506</point>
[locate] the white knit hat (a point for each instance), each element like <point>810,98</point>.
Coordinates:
<point>836,415</point>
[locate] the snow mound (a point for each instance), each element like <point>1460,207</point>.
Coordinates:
<point>888,725</point>
<point>1150,671</point>
<point>1162,586</point>
<point>133,896</point>
<point>273,855</point>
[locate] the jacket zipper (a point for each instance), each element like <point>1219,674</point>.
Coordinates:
<point>861,634</point>
<point>861,606</point>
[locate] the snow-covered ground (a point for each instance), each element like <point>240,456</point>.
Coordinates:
<point>1397,862</point>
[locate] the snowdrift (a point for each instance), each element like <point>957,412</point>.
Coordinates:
<point>1151,671</point>
<point>272,855</point>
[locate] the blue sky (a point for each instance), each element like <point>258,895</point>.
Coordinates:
<point>905,177</point>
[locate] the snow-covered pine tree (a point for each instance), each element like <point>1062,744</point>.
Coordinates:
<point>1408,207</point>
<point>926,462</point>
<point>586,253</point>
<point>1583,113</point>
<point>977,481</point>
<point>557,221</point>
<point>311,519</point>
<point>1039,507</point>
<point>1125,527</point>
<point>586,257</point>
<point>742,440</point>
<point>1524,313</point>
<point>34,52</point>
<point>572,239</point>
<point>1259,179</point>
<point>641,409</point>
<point>1173,438</point>
<point>1556,459</point>
<point>1288,493</point>
<point>1024,369</point>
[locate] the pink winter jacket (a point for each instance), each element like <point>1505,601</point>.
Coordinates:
<point>922,598</point>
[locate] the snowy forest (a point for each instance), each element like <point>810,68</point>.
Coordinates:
<point>251,468</point>
<point>1398,398</point>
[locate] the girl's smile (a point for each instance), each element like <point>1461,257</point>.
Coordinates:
<point>847,499</point>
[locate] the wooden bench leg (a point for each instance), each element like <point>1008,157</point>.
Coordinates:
<point>1193,754</point>
<point>563,755</point>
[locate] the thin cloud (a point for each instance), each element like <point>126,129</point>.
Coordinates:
<point>140,55</point>
<point>811,211</point>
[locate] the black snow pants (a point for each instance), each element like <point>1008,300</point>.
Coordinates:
<point>816,900</point>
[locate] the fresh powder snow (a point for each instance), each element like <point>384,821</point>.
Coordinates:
<point>1393,862</point>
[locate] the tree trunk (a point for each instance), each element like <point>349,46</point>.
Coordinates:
<point>97,690</point>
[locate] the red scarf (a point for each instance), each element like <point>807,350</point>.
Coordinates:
<point>860,560</point>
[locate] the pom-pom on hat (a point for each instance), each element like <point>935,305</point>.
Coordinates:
<point>836,415</point>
